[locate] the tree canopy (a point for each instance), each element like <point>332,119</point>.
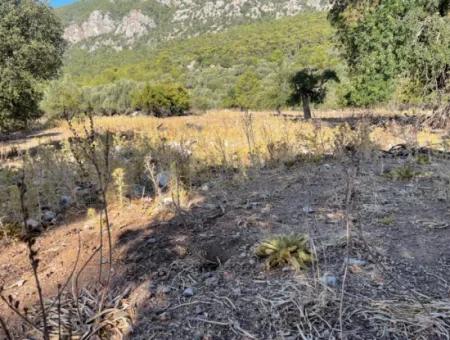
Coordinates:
<point>161,100</point>
<point>308,86</point>
<point>31,50</point>
<point>384,41</point>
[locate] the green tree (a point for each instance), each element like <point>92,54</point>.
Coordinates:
<point>62,97</point>
<point>31,50</point>
<point>111,98</point>
<point>162,100</point>
<point>246,90</point>
<point>308,86</point>
<point>383,41</point>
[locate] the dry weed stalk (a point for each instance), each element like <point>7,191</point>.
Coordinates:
<point>350,177</point>
<point>87,146</point>
<point>32,253</point>
<point>247,123</point>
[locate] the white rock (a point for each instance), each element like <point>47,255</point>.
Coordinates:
<point>188,292</point>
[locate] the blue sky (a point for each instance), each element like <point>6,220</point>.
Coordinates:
<point>59,3</point>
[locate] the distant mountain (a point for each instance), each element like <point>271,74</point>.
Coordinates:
<point>124,24</point>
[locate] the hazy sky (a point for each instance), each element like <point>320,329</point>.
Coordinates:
<point>59,3</point>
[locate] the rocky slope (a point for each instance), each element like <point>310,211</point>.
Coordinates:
<point>125,23</point>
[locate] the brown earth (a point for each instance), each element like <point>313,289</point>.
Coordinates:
<point>394,286</point>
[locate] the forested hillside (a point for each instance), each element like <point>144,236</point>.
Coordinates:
<point>263,54</point>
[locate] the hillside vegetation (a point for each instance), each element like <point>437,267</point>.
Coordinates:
<point>211,65</point>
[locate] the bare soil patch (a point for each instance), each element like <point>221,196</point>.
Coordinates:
<point>396,284</point>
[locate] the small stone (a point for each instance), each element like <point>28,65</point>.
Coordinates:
<point>65,202</point>
<point>251,262</point>
<point>356,262</point>
<point>164,316</point>
<point>48,216</point>
<point>212,281</point>
<point>162,180</point>
<point>198,310</point>
<point>151,240</point>
<point>205,187</point>
<point>329,280</point>
<point>188,292</point>
<point>164,289</point>
<point>34,225</point>
<point>307,209</point>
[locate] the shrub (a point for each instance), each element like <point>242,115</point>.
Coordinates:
<point>112,98</point>
<point>162,100</point>
<point>286,250</point>
<point>402,173</point>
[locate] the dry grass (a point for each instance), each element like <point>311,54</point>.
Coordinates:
<point>228,139</point>
<point>219,137</point>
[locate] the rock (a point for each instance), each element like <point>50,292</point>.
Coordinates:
<point>151,240</point>
<point>164,289</point>
<point>65,202</point>
<point>329,280</point>
<point>211,281</point>
<point>163,180</point>
<point>188,292</point>
<point>252,205</point>
<point>205,187</point>
<point>198,310</point>
<point>48,217</point>
<point>164,316</point>
<point>34,226</point>
<point>307,209</point>
<point>356,262</point>
<point>87,193</point>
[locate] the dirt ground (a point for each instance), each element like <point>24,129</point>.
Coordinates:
<point>382,269</point>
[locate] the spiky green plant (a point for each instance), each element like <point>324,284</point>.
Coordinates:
<point>402,173</point>
<point>284,250</point>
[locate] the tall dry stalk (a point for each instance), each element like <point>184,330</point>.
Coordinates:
<point>32,253</point>
<point>87,146</point>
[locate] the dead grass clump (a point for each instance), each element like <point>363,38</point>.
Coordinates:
<point>286,250</point>
<point>411,319</point>
<point>86,316</point>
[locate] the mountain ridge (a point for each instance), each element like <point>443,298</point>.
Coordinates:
<point>119,24</point>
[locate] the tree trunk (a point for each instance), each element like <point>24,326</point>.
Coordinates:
<point>306,107</point>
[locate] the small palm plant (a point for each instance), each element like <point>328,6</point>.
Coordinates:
<point>283,250</point>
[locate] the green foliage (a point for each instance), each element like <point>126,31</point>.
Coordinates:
<point>211,65</point>
<point>383,41</point>
<point>112,98</point>
<point>162,100</point>
<point>402,173</point>
<point>31,49</point>
<point>308,85</point>
<point>286,250</point>
<point>62,97</point>
<point>246,90</point>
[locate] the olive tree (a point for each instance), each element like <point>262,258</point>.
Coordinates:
<point>308,86</point>
<point>31,50</point>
